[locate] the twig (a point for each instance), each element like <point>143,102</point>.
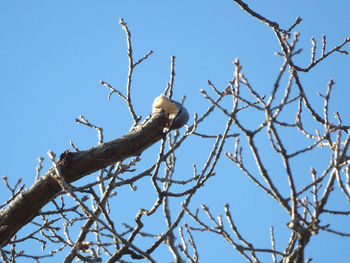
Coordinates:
<point>263,19</point>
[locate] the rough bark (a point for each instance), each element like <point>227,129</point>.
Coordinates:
<point>73,166</point>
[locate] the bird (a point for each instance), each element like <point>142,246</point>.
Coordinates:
<point>175,111</point>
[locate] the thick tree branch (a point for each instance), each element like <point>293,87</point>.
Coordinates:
<point>73,166</point>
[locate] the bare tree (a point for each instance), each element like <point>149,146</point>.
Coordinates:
<point>88,231</point>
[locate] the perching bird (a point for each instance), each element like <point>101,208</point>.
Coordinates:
<point>176,113</point>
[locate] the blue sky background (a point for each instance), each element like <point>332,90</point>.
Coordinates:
<point>54,53</point>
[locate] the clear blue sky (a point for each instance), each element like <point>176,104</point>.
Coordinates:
<point>54,53</point>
